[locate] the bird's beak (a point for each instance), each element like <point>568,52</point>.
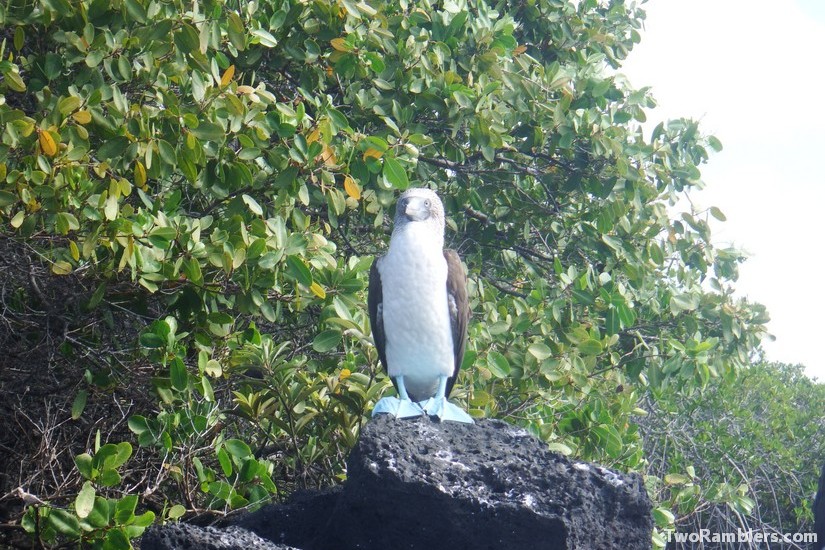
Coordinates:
<point>416,209</point>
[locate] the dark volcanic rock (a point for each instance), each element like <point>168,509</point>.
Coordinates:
<point>420,484</point>
<point>423,484</point>
<point>182,536</point>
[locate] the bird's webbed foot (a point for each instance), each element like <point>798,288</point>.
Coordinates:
<point>439,407</point>
<point>442,409</point>
<point>399,408</point>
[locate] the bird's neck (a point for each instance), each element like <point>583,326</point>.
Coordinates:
<point>418,236</point>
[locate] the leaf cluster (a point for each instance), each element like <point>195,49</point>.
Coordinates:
<point>224,172</point>
<point>742,454</point>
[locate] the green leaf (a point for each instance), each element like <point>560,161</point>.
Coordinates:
<point>237,448</point>
<point>113,148</point>
<point>298,270</point>
<point>264,38</point>
<point>253,205</point>
<point>395,173</point>
<point>583,297</point>
<point>99,516</point>
<point>560,448</point>
<point>339,121</point>
<point>152,340</point>
<point>109,478</point>
<point>612,323</point>
<point>663,517</point>
<point>85,500</point>
<point>498,364</point>
<point>326,341</point>
<point>178,374</point>
<point>125,509</point>
<point>683,302</point>
<point>213,368</point>
<point>116,539</point>
<point>176,512</point>
<point>590,347</point>
<point>64,522</point>
<point>224,461</point>
<point>143,520</point>
<point>626,315</point>
<point>235,30</point>
<point>192,269</point>
<point>79,404</point>
<point>676,479</point>
<point>14,82</point>
<point>540,351</point>
<point>714,143</point>
<point>209,131</point>
<point>656,253</point>
<point>68,105</point>
<point>138,424</point>
<point>66,222</point>
<point>19,38</point>
<point>135,10</point>
<point>718,214</point>
<point>7,199</point>
<point>84,465</point>
<point>609,439</point>
<point>97,296</point>
<point>112,455</point>
<point>18,219</point>
<point>186,39</point>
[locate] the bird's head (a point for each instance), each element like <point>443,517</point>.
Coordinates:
<point>420,206</point>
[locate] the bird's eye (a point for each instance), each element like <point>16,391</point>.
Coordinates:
<point>427,203</point>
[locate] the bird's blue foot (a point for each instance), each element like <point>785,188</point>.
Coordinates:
<point>444,410</point>
<point>399,408</point>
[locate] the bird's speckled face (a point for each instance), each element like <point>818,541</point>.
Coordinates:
<point>419,205</point>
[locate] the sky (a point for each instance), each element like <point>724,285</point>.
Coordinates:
<point>753,73</point>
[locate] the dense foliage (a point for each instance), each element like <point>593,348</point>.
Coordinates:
<point>195,192</point>
<point>743,455</point>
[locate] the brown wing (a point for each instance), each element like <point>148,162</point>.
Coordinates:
<point>459,310</point>
<point>375,299</point>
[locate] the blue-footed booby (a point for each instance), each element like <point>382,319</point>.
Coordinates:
<point>419,311</point>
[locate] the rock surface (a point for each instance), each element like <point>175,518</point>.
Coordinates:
<point>421,484</point>
<point>182,535</point>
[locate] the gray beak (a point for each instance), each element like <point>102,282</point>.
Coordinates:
<point>415,208</point>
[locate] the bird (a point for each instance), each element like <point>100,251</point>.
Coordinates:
<point>419,311</point>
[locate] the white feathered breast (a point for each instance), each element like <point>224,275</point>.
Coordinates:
<point>419,343</point>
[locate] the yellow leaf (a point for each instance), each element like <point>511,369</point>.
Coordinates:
<point>328,156</point>
<point>14,82</point>
<point>128,252</point>
<point>227,76</point>
<point>75,252</point>
<point>140,174</point>
<point>17,220</point>
<point>352,188</point>
<point>318,290</point>
<point>519,50</point>
<point>374,153</point>
<point>126,187</point>
<point>47,143</point>
<point>82,117</point>
<point>314,135</point>
<point>246,90</point>
<point>345,373</point>
<point>340,44</point>
<point>61,267</point>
